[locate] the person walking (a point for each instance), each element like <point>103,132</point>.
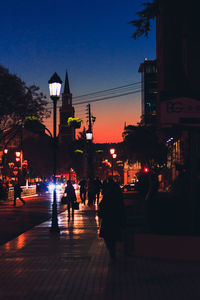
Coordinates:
<point>91,191</point>
<point>17,193</point>
<point>83,184</point>
<point>98,187</point>
<point>112,215</point>
<point>71,198</point>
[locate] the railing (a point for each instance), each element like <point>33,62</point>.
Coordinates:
<point>26,191</point>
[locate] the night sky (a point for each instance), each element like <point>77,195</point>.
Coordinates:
<point>91,39</point>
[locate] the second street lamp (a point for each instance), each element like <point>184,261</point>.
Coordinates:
<point>54,88</point>
<point>5,152</point>
<point>90,170</point>
<point>112,152</point>
<point>113,157</point>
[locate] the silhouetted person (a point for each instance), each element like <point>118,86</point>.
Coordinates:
<point>71,197</point>
<point>112,215</point>
<point>83,184</point>
<point>98,186</point>
<point>91,191</point>
<point>142,185</point>
<point>104,186</point>
<point>17,193</point>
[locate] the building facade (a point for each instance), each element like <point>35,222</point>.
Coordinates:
<point>148,72</point>
<point>178,65</point>
<point>178,48</point>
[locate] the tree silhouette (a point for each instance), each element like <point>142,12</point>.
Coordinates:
<point>142,144</point>
<point>143,23</point>
<point>18,100</point>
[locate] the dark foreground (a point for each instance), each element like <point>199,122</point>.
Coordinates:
<point>75,265</point>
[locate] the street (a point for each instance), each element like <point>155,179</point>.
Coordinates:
<point>16,220</point>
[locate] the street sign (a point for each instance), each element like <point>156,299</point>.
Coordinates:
<point>180,111</point>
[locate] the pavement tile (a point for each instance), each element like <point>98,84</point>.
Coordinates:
<point>76,265</point>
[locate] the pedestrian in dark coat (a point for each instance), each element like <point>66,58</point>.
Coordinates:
<point>112,215</point>
<point>83,185</point>
<point>91,191</point>
<point>17,193</point>
<point>98,187</point>
<point>71,198</point>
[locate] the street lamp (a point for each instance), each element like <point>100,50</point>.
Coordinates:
<point>18,158</point>
<point>18,153</point>
<point>113,157</point>
<point>89,136</point>
<point>112,151</point>
<point>54,89</point>
<point>18,163</point>
<point>5,152</point>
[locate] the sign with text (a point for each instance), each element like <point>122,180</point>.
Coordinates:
<point>180,111</point>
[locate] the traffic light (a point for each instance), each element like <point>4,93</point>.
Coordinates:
<point>146,170</point>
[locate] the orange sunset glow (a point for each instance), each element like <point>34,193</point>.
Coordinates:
<point>111,117</point>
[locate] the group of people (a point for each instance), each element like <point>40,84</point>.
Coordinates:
<point>111,209</point>
<point>90,188</point>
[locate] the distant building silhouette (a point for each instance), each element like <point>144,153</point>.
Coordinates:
<point>148,72</point>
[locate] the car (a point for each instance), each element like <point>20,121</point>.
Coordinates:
<point>129,187</point>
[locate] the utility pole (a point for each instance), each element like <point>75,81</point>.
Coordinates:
<point>89,118</point>
<point>90,167</point>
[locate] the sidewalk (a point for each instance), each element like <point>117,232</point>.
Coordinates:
<point>75,265</point>
<point>147,243</point>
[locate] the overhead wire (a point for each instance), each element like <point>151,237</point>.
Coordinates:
<point>107,90</point>
<point>106,98</point>
<point>106,94</point>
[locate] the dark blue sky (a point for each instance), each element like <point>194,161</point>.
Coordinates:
<point>91,39</point>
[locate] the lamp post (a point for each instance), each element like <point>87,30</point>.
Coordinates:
<point>5,152</point>
<point>113,157</point>
<point>89,136</point>
<point>18,162</point>
<point>112,152</point>
<point>54,89</point>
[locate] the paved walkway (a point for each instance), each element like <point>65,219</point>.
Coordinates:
<point>75,265</point>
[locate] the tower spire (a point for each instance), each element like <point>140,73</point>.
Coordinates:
<point>66,87</point>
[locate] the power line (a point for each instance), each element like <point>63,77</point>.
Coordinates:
<point>103,98</point>
<point>107,90</point>
<point>115,92</point>
<point>106,98</point>
<point>105,93</point>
